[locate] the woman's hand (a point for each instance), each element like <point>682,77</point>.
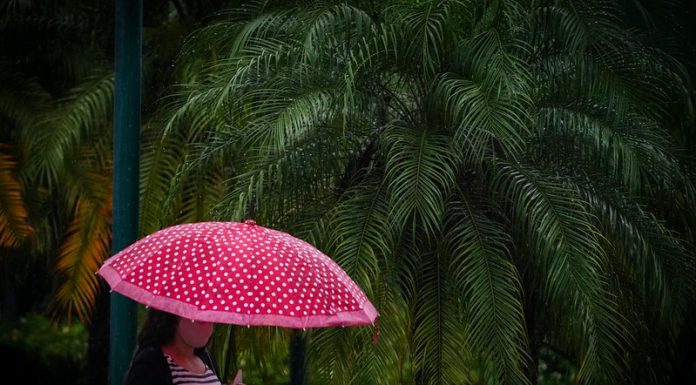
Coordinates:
<point>237,380</point>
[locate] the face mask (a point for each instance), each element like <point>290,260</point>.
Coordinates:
<point>196,333</point>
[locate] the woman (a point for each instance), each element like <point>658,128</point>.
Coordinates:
<point>171,350</point>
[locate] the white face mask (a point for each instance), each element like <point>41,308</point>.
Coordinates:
<point>195,333</point>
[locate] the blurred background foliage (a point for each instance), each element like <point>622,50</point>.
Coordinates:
<point>511,182</point>
<point>43,351</point>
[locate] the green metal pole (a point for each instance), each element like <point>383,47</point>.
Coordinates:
<point>128,58</point>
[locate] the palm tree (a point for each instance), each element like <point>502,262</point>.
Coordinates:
<point>496,175</point>
<point>56,115</point>
<point>55,152</point>
<point>55,143</point>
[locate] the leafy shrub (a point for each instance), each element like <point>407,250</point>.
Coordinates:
<point>42,351</point>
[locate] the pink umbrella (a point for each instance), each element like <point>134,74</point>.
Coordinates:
<point>237,273</point>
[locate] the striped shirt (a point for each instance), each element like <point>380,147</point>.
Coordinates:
<point>182,376</point>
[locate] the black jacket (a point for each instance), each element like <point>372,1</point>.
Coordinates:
<point>150,367</point>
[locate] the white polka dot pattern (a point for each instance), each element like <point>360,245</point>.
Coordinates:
<point>238,273</point>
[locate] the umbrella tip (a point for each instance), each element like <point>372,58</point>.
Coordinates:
<point>250,222</point>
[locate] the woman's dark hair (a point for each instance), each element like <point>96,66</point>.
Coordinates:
<point>158,329</point>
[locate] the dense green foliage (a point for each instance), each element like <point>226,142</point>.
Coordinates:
<point>509,181</point>
<point>43,351</point>
<point>490,173</point>
<point>55,111</point>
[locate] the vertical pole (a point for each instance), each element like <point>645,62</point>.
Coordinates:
<point>298,366</point>
<point>128,59</point>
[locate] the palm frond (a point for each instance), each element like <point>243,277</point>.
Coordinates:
<point>655,252</point>
<point>195,191</point>
<point>22,98</point>
<point>332,24</point>
<point>482,270</point>
<point>347,356</point>
<point>633,150</point>
<point>291,117</point>
<point>424,24</point>
<point>361,234</point>
<point>14,225</point>
<point>281,182</point>
<point>479,117</point>
<point>387,360</point>
<point>437,325</point>
<point>420,169</point>
<point>565,244</point>
<point>86,108</point>
<point>161,158</point>
<point>85,247</point>
<point>334,365</point>
<point>261,352</point>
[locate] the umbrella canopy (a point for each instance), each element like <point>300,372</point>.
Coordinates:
<point>237,273</point>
